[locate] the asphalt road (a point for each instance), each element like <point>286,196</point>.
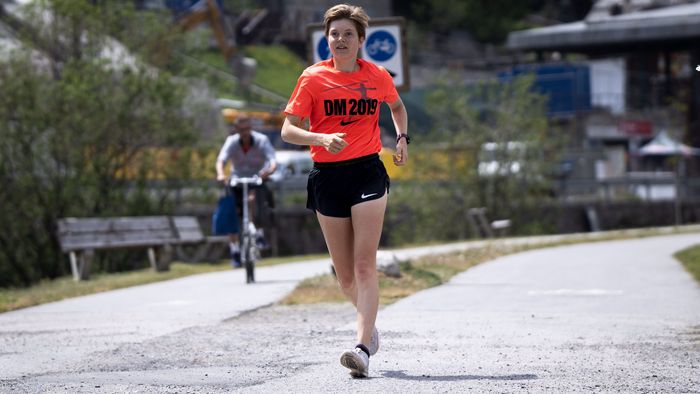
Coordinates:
<point>620,316</point>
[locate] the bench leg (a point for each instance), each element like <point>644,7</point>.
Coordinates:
<point>160,257</point>
<point>152,258</point>
<point>74,266</point>
<point>485,226</point>
<point>474,225</point>
<point>80,264</point>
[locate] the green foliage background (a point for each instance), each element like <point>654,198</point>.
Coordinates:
<point>84,135</point>
<point>433,204</point>
<point>71,121</point>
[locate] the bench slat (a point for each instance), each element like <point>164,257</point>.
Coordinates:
<point>190,236</point>
<point>123,234</point>
<point>188,229</point>
<point>112,224</point>
<point>92,241</point>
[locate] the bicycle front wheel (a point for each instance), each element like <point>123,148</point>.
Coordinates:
<point>249,260</point>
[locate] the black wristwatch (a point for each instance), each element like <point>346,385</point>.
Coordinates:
<point>403,135</point>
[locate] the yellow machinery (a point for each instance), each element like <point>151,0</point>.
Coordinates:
<point>208,11</point>
<point>268,119</point>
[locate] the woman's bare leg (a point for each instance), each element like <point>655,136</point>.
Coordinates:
<point>353,245</point>
<point>338,233</point>
<point>367,222</point>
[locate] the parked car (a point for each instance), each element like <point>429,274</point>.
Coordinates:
<point>292,165</point>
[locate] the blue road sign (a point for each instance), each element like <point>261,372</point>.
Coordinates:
<point>381,46</point>
<point>322,49</point>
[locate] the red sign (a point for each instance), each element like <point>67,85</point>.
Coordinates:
<point>637,128</point>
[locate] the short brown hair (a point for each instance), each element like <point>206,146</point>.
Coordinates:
<point>345,11</point>
<point>242,117</point>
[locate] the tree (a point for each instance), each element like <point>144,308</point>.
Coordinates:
<point>71,122</point>
<point>449,163</point>
<point>488,21</point>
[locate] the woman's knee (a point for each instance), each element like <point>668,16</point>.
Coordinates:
<point>345,275</point>
<point>346,282</point>
<point>365,270</point>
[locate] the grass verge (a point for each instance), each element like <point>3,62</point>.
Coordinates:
<point>65,287</point>
<point>435,270</point>
<point>416,275</point>
<point>690,258</point>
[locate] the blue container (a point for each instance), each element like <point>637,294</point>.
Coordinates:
<point>181,6</point>
<point>567,85</point>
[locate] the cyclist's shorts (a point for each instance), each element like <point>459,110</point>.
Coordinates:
<point>263,197</point>
<point>333,188</point>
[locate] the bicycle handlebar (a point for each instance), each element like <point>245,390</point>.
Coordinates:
<point>252,180</point>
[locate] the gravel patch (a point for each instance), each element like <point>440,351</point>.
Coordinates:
<point>296,349</point>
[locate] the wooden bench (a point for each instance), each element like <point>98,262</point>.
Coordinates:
<point>481,225</point>
<point>80,237</point>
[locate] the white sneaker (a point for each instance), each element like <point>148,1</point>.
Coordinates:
<point>374,342</point>
<point>356,361</point>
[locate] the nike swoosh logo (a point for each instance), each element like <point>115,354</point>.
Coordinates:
<point>344,123</point>
<point>363,196</point>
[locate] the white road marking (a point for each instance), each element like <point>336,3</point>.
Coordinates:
<point>575,292</point>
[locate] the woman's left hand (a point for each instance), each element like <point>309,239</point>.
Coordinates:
<point>401,155</point>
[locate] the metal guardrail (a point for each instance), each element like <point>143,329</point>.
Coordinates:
<point>652,188</point>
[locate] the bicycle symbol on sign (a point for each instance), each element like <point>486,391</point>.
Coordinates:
<point>385,46</point>
<point>381,46</point>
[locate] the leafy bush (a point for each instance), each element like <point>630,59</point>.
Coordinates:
<point>445,179</point>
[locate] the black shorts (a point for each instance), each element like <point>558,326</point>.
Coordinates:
<point>333,188</point>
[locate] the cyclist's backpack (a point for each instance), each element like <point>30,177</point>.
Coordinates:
<point>225,218</point>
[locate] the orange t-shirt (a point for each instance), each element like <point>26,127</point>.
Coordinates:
<point>342,102</point>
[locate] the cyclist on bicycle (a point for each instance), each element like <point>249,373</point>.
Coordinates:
<point>250,154</point>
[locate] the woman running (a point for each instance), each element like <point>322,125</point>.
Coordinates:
<point>348,185</point>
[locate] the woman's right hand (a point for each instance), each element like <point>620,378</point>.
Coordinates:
<point>334,143</point>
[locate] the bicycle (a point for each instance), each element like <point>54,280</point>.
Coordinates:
<point>250,252</point>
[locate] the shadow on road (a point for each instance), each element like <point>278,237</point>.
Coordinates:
<point>272,282</point>
<point>452,378</point>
